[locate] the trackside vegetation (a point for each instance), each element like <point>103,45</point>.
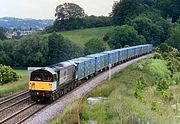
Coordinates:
<point>144,92</point>
<point>7,74</point>
<point>15,86</point>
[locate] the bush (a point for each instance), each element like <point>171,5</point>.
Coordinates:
<point>140,85</point>
<point>7,74</point>
<point>163,84</point>
<point>123,35</point>
<point>167,95</point>
<point>176,77</point>
<point>158,69</point>
<point>154,106</point>
<point>95,46</point>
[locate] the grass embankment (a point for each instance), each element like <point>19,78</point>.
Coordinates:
<point>121,106</point>
<point>82,36</point>
<point>19,85</point>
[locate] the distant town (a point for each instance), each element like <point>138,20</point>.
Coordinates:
<point>21,27</point>
<point>21,32</point>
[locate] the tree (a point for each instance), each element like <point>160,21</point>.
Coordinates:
<point>7,74</point>
<point>169,8</point>
<point>153,33</point>
<point>61,49</point>
<point>174,39</point>
<point>174,10</point>
<point>125,10</point>
<point>124,35</point>
<point>95,46</point>
<point>2,34</point>
<point>30,51</point>
<point>6,50</point>
<point>69,24</point>
<point>69,10</point>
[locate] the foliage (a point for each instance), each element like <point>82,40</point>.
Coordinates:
<point>140,86</point>
<point>13,87</point>
<point>69,10</point>
<point>154,106</point>
<point>64,48</point>
<point>173,65</point>
<point>169,54</point>
<point>30,51</point>
<point>125,10</point>
<point>167,95</point>
<point>7,74</point>
<point>97,21</point>
<point>174,10</point>
<point>152,32</point>
<point>157,55</point>
<point>2,34</point>
<point>95,46</point>
<point>80,23</point>
<point>158,68</point>
<point>69,24</point>
<point>174,39</point>
<point>124,35</point>
<point>176,77</point>
<point>163,84</point>
<point>38,50</point>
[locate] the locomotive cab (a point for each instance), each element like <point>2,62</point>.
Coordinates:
<point>43,83</point>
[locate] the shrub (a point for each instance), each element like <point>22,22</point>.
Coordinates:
<point>176,77</point>
<point>167,95</point>
<point>140,85</point>
<point>158,69</point>
<point>154,106</point>
<point>7,74</point>
<point>163,84</point>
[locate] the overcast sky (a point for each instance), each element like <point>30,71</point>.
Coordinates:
<point>45,9</point>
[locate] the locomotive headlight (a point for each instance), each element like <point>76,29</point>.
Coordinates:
<point>50,85</point>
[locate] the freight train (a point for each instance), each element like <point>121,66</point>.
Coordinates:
<point>53,81</point>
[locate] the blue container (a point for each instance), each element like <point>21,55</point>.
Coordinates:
<point>89,65</point>
<point>125,53</point>
<point>80,68</point>
<point>113,56</point>
<point>100,61</point>
<point>135,50</point>
<point>116,52</point>
<point>118,55</point>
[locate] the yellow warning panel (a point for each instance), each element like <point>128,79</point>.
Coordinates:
<point>42,86</point>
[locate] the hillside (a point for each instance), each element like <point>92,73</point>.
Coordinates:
<point>120,105</point>
<point>10,22</point>
<point>82,36</point>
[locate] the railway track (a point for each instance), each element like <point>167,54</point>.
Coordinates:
<point>15,109</point>
<point>22,114</point>
<point>13,97</point>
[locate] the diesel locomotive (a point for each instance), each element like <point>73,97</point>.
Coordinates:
<point>52,81</point>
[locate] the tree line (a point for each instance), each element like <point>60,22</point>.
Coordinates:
<point>135,22</point>
<point>37,50</point>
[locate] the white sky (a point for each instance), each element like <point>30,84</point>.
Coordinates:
<point>45,9</point>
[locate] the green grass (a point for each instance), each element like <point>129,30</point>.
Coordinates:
<point>122,107</point>
<point>82,36</point>
<point>19,85</point>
